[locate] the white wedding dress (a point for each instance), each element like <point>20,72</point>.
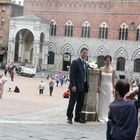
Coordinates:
<point>105,97</point>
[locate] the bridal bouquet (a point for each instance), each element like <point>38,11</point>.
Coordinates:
<point>92,64</point>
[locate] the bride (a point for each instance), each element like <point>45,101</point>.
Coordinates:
<point>105,89</point>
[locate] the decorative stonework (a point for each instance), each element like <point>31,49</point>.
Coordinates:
<point>86,6</point>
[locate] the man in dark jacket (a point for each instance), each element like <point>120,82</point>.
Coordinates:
<point>122,124</point>
<point>78,86</point>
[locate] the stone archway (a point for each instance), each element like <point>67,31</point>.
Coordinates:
<point>66,61</point>
<point>24,46</point>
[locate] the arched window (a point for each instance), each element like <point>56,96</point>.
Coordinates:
<point>120,63</point>
<point>123,32</point>
<point>69,29</point>
<point>138,34</point>
<point>100,61</point>
<point>51,56</point>
<point>137,65</point>
<point>66,61</point>
<point>53,28</point>
<point>103,31</point>
<point>85,30</point>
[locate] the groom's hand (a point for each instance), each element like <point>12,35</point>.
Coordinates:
<point>73,89</point>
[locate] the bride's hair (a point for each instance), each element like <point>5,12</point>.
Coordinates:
<point>108,56</point>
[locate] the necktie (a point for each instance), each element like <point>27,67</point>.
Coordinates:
<point>84,66</point>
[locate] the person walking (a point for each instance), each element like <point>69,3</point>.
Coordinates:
<point>78,86</point>
<point>5,70</point>
<point>105,88</point>
<point>2,82</point>
<point>41,87</point>
<point>57,81</point>
<point>51,86</point>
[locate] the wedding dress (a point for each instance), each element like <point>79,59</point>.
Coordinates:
<point>105,97</point>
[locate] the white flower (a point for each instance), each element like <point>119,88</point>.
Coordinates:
<point>92,64</point>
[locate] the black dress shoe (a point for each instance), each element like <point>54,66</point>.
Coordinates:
<point>69,121</point>
<point>76,120</point>
<point>80,120</point>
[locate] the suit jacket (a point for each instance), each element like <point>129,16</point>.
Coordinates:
<point>77,76</point>
<point>139,96</point>
<point>123,117</point>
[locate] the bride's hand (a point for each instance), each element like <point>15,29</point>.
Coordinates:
<point>114,93</point>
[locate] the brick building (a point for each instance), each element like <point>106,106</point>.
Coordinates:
<point>7,10</point>
<point>103,26</point>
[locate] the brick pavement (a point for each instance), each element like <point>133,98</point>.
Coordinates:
<point>28,116</point>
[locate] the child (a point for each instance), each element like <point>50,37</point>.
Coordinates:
<point>122,123</point>
<point>41,87</point>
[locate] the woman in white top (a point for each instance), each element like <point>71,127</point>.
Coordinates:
<point>105,89</point>
<point>2,82</point>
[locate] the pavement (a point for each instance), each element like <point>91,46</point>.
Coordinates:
<point>30,116</point>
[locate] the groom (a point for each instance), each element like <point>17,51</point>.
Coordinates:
<point>78,86</point>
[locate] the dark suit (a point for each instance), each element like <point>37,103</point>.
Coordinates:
<point>122,124</point>
<point>79,79</point>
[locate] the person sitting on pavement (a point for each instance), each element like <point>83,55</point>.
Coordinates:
<point>17,90</point>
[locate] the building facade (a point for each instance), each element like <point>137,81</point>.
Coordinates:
<point>7,10</point>
<point>104,27</point>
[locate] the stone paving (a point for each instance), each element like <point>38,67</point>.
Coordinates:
<point>29,116</point>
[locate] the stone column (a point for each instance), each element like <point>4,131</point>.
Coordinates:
<point>89,110</point>
<point>36,53</point>
<point>21,49</point>
<point>11,50</point>
<point>45,54</point>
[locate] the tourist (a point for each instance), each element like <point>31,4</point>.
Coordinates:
<point>51,86</point>
<point>2,82</point>
<point>41,87</point>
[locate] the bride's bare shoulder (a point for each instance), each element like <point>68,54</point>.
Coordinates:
<point>101,68</point>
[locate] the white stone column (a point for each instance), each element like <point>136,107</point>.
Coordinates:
<point>11,50</point>
<point>36,52</point>
<point>21,49</point>
<point>45,54</point>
